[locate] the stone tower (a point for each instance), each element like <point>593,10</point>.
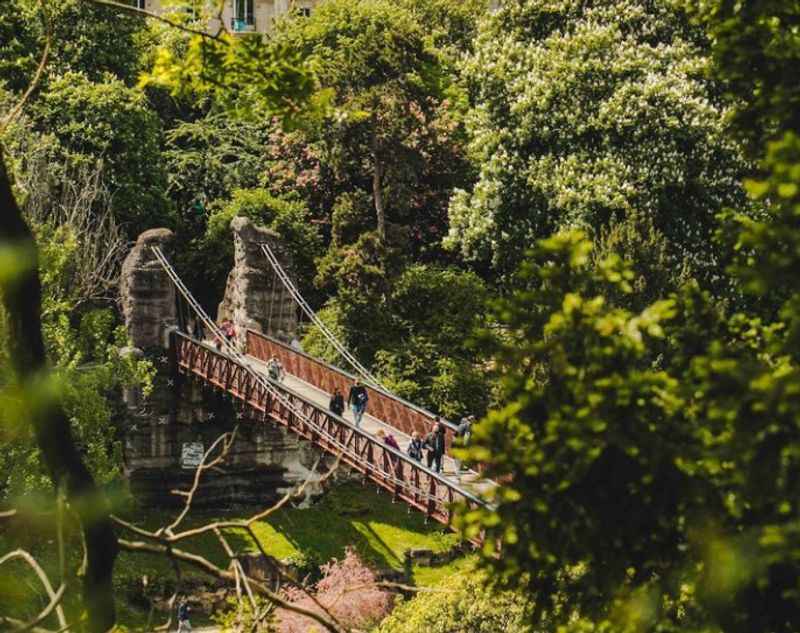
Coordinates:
<point>148,296</point>
<point>255,298</point>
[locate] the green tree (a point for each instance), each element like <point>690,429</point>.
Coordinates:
<point>414,334</point>
<point>112,123</point>
<point>18,44</point>
<point>96,41</point>
<point>86,38</point>
<point>84,348</point>
<point>461,604</point>
<point>390,132</point>
<point>653,453</point>
<point>213,156</point>
<point>588,115</point>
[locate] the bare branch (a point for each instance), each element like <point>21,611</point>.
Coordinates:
<point>164,539</point>
<point>213,570</point>
<point>129,8</point>
<point>4,619</point>
<point>54,603</point>
<point>37,77</point>
<point>82,205</point>
<point>227,440</point>
<point>55,597</point>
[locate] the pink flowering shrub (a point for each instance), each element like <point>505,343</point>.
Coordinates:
<point>347,590</point>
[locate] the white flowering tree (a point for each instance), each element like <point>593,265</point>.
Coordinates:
<point>591,114</point>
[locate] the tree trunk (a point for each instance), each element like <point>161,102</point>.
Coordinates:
<point>22,297</point>
<point>377,184</point>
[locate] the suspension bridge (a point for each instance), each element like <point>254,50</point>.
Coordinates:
<point>299,403</point>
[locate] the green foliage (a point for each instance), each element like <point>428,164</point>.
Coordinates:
<point>84,349</point>
<point>86,38</point>
<point>95,41</point>
<point>18,44</point>
<point>451,24</point>
<point>111,123</point>
<point>425,357</point>
<point>461,603</point>
<point>589,114</point>
<point>651,450</point>
<point>391,132</point>
<point>213,156</point>
<point>246,74</point>
<point>242,615</point>
<point>641,444</point>
<point>415,330</point>
<point>756,52</point>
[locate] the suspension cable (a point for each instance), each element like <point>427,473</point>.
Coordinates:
<point>271,304</point>
<point>309,312</point>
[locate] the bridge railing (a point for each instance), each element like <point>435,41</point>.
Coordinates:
<point>404,478</point>
<point>399,413</point>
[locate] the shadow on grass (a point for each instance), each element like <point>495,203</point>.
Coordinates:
<point>350,515</point>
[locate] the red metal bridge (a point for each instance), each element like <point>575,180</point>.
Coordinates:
<point>299,404</point>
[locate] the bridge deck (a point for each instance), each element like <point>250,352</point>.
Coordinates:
<point>468,479</point>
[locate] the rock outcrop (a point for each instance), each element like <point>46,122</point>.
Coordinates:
<point>254,296</point>
<point>148,296</point>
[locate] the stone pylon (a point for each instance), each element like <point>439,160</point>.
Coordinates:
<point>147,294</point>
<point>255,298</point>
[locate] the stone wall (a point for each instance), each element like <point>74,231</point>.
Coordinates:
<point>264,462</point>
<point>254,296</point>
<point>147,294</point>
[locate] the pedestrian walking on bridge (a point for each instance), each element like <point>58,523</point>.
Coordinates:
<point>415,447</point>
<point>435,444</point>
<point>463,433</point>
<point>357,399</point>
<point>275,369</point>
<point>336,404</point>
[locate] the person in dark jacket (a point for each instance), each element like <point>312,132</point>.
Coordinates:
<point>435,444</point>
<point>357,399</point>
<point>415,447</point>
<point>183,616</point>
<point>337,402</point>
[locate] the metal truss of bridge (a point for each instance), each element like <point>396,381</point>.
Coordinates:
<point>299,403</point>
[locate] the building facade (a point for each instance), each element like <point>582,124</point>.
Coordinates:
<point>245,16</point>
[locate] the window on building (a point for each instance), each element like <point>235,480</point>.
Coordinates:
<point>305,12</point>
<point>140,4</point>
<point>244,12</point>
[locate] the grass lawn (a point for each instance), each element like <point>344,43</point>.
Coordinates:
<point>348,515</point>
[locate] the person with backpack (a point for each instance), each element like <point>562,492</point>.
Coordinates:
<point>415,447</point>
<point>336,404</point>
<point>183,616</point>
<point>357,399</point>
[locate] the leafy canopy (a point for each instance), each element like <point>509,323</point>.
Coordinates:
<point>591,114</point>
